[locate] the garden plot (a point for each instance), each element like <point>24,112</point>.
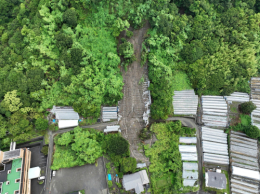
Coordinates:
<point>215,111</point>
<point>214,146</point>
<point>185,102</point>
<point>245,165</point>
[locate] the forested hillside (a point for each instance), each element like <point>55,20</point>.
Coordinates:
<point>66,52</point>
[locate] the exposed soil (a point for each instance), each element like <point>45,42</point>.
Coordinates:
<point>132,107</point>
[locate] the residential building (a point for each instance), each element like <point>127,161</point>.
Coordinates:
<point>65,116</point>
<point>135,181</point>
<point>14,166</point>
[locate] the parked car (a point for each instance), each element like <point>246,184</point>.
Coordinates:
<point>53,172</point>
<point>41,178</point>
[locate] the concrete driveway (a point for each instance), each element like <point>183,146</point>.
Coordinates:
<point>88,177</point>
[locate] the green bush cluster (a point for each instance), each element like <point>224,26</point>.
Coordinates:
<point>247,107</point>
<point>77,147</point>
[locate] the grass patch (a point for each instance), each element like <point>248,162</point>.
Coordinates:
<point>46,138</point>
<point>233,110</point>
<point>245,119</point>
<point>181,81</point>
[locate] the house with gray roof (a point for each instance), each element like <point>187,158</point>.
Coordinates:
<point>65,116</point>
<point>215,180</point>
<point>135,181</point>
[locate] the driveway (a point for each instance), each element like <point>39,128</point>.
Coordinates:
<point>88,177</point>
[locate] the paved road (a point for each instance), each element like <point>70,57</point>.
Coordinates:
<point>98,126</point>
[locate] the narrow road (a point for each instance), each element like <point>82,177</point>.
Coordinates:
<point>99,126</point>
<point>132,107</point>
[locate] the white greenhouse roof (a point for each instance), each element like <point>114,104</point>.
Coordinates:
<point>34,172</point>
<point>188,140</point>
<point>251,174</point>
<point>190,166</point>
<point>187,148</point>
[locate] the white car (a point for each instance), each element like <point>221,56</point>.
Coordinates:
<point>54,173</point>
<point>41,178</point>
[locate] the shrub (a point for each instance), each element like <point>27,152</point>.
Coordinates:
<point>70,17</point>
<point>128,164</point>
<point>53,127</point>
<point>44,150</point>
<point>129,34</point>
<point>252,132</point>
<point>41,124</point>
<point>117,145</point>
<point>247,107</point>
<point>119,185</point>
<point>110,184</point>
<point>145,134</point>
<point>120,175</point>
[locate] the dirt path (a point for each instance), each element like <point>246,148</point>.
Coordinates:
<point>131,107</point>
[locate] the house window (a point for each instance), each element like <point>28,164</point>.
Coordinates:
<point>18,169</point>
<point>2,167</point>
<point>17,180</point>
<point>9,171</point>
<point>7,182</point>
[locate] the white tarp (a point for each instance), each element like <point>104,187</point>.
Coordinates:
<point>67,123</point>
<point>34,172</point>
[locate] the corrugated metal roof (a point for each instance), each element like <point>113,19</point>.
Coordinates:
<point>189,174</point>
<point>188,140</point>
<point>185,102</point>
<point>251,174</point>
<point>190,166</point>
<point>189,157</point>
<point>187,148</point>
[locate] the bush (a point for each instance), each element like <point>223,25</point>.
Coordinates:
<point>117,145</point>
<point>247,107</point>
<point>252,132</point>
<point>145,134</point>
<point>41,124</point>
<point>70,17</point>
<point>110,184</point>
<point>129,34</point>
<point>53,127</point>
<point>44,150</point>
<point>128,165</point>
<point>120,175</point>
